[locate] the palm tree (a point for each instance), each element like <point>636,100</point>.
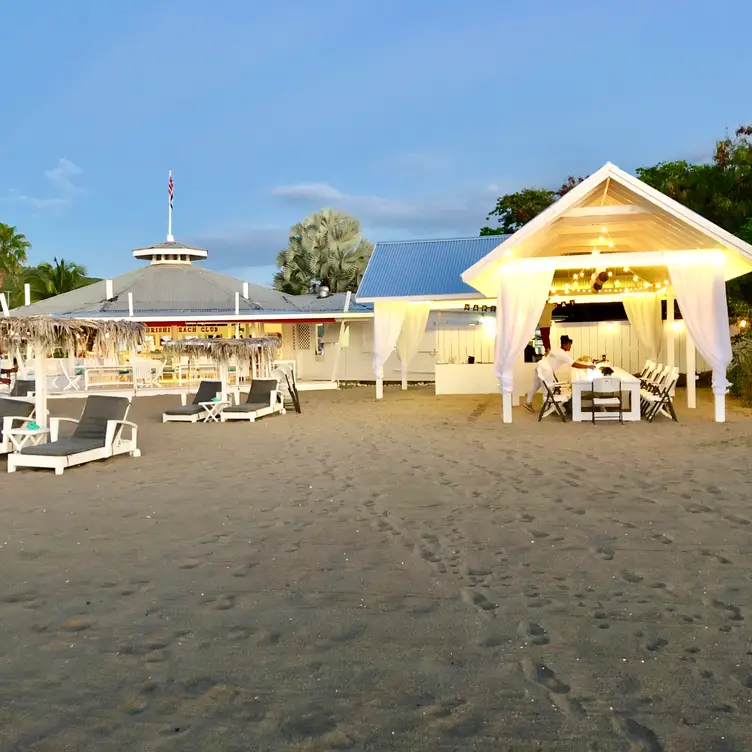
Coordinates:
<point>48,280</point>
<point>326,249</point>
<point>13,247</point>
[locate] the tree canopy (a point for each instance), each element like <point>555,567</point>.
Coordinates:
<point>326,249</point>
<point>45,280</point>
<point>720,190</point>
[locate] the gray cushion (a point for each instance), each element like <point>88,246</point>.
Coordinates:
<point>21,388</point>
<point>262,388</point>
<point>11,408</point>
<point>98,410</point>
<point>185,410</point>
<point>246,407</point>
<point>64,447</point>
<point>14,409</point>
<point>207,391</point>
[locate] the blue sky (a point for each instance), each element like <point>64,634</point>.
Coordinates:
<point>411,114</point>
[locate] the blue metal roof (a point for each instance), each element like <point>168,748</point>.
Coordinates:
<point>415,268</point>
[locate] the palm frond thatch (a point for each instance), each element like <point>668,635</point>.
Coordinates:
<point>224,349</point>
<point>52,333</point>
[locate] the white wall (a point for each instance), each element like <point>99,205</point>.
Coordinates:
<point>446,341</point>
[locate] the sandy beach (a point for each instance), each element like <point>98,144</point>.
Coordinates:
<point>409,575</point>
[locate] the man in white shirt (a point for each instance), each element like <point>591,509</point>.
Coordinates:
<point>557,358</point>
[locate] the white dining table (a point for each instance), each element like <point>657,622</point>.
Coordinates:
<point>582,381</point>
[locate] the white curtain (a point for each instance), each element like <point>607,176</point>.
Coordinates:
<point>387,323</point>
<point>644,314</point>
<point>411,334</point>
<point>700,290</point>
<point>522,296</point>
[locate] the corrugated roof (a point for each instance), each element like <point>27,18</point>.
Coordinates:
<point>424,267</point>
<point>181,289</point>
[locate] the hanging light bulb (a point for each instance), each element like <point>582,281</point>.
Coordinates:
<point>574,276</point>
<point>604,230</point>
<point>635,278</point>
<point>601,239</point>
<point>626,268</point>
<point>616,283</point>
<point>610,243</point>
<point>610,274</point>
<point>646,285</point>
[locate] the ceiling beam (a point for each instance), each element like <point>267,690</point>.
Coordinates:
<point>604,212</point>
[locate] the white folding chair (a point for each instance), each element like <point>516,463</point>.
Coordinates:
<point>605,395</point>
<point>555,396</point>
<point>657,398</point>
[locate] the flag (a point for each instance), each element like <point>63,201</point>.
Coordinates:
<point>170,189</point>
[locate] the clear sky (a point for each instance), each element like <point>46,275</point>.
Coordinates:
<point>411,114</point>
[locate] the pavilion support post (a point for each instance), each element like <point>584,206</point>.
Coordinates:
<point>506,407</point>
<point>691,371</point>
<point>720,408</point>
<point>403,370</point>
<point>40,386</point>
<point>338,350</point>
<point>379,388</point>
<point>224,376</point>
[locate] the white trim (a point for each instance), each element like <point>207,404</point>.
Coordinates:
<point>424,298</point>
<point>225,318</point>
<point>566,203</point>
<point>606,211</point>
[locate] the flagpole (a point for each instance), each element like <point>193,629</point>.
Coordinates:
<point>170,238</point>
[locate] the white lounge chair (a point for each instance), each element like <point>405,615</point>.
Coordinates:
<point>98,435</point>
<point>264,398</point>
<point>193,412</point>
<point>14,413</point>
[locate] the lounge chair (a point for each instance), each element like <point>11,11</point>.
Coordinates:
<point>207,391</point>
<point>98,435</point>
<point>14,413</point>
<point>264,398</point>
<point>23,388</point>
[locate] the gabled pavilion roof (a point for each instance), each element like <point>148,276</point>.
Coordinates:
<point>612,212</point>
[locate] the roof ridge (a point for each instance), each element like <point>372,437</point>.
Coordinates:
<point>441,240</point>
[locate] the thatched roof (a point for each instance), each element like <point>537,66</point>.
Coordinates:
<point>52,333</point>
<point>224,349</point>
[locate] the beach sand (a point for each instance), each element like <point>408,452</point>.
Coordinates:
<point>409,575</point>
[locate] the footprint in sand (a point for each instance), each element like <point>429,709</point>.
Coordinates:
<point>656,644</point>
<point>430,556</point>
<point>189,563</point>
<point>737,520</point>
<point>661,538</point>
<point>76,624</point>
<point>631,577</point>
<point>730,611</point>
<point>640,738</point>
<point>534,633</point>
<point>558,690</point>
<point>720,558</point>
<point>606,553</point>
<point>478,601</point>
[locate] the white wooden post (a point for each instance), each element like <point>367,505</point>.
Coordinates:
<point>4,304</point>
<point>506,407</point>
<point>40,386</point>
<point>379,388</point>
<point>403,370</point>
<point>27,294</point>
<point>224,373</point>
<point>338,349</point>
<point>720,407</point>
<point>130,304</point>
<point>691,370</point>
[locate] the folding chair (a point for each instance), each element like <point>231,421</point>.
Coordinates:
<point>658,399</point>
<point>555,397</point>
<point>606,393</point>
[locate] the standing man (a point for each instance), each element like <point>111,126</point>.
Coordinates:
<point>544,325</point>
<point>556,359</point>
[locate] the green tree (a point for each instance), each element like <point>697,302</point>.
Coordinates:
<point>325,249</point>
<point>514,210</point>
<point>13,251</point>
<point>48,280</point>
